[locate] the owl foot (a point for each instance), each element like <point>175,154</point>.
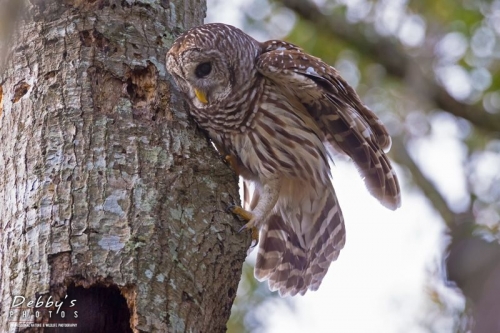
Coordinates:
<point>254,231</point>
<point>247,216</point>
<point>240,212</point>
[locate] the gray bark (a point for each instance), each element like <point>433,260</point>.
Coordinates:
<point>108,193</point>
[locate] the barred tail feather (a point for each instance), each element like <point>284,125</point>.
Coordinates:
<point>329,239</point>
<point>280,259</point>
<point>297,245</point>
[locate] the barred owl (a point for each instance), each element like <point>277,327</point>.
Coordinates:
<point>279,114</point>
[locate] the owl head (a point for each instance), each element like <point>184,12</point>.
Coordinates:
<point>207,63</point>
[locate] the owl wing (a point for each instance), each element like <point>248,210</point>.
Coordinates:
<point>348,125</point>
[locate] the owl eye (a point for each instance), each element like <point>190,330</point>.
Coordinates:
<point>203,69</point>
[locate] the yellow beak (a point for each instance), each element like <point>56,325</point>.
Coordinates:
<point>202,97</point>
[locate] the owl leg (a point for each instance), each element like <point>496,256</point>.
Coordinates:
<point>239,211</point>
<point>267,200</point>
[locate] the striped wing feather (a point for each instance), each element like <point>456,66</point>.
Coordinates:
<point>348,125</point>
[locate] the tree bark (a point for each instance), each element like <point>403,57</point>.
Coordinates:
<point>109,195</point>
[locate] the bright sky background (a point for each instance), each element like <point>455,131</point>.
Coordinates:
<point>380,281</point>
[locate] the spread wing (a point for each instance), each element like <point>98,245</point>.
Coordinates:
<point>348,125</point>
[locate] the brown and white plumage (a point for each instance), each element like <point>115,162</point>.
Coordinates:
<point>277,111</point>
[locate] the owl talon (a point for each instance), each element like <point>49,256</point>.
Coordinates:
<point>250,225</point>
<point>254,231</point>
<point>247,216</point>
<point>229,208</point>
<point>243,228</point>
<point>240,212</point>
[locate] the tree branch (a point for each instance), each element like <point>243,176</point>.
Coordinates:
<point>397,63</point>
<point>400,155</point>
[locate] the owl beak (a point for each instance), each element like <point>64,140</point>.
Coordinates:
<point>202,97</point>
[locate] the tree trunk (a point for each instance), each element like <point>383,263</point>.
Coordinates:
<point>111,201</point>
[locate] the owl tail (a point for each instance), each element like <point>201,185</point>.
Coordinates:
<point>281,260</point>
<point>295,253</point>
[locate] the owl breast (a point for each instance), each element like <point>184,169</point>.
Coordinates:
<point>281,139</point>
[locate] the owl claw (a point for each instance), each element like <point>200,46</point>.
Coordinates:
<point>249,225</point>
<point>243,228</point>
<point>247,216</point>
<point>240,212</point>
<point>254,231</point>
